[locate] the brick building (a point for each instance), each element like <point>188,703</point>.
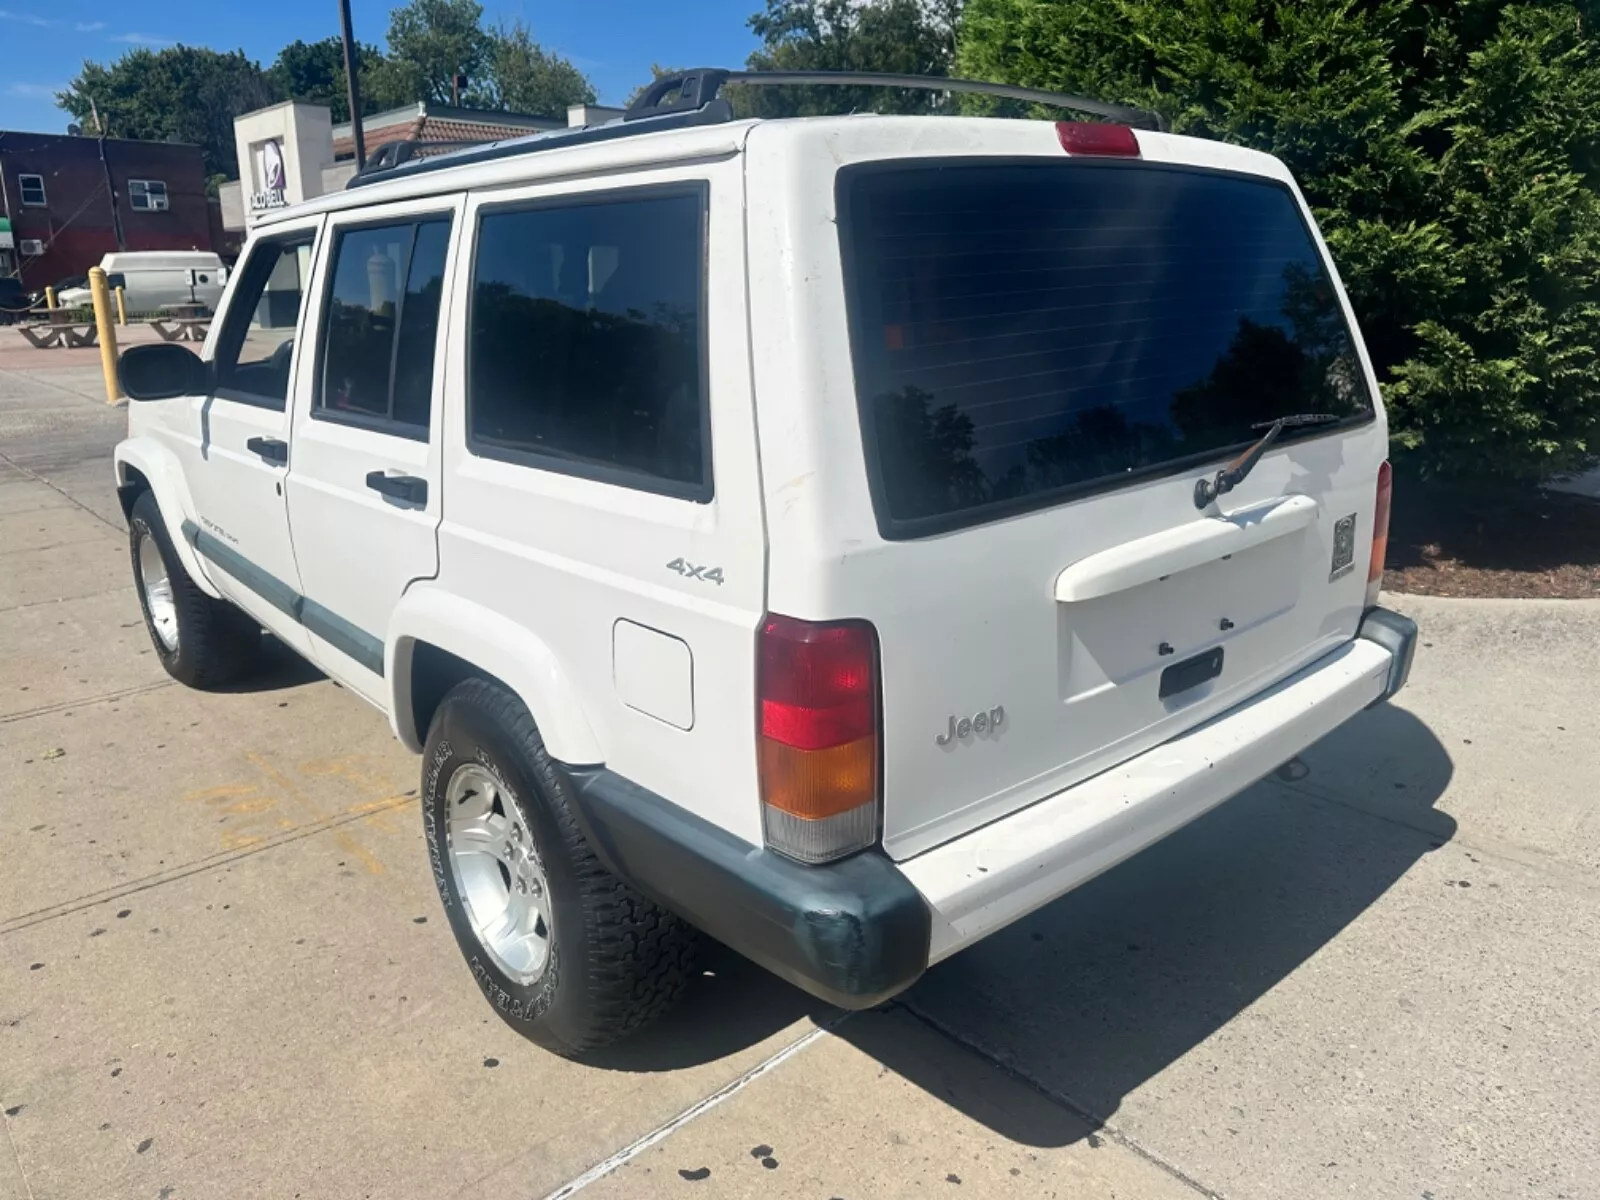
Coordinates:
<point>70,200</point>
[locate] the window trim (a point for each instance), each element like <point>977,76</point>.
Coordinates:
<point>901,529</point>
<point>166,197</point>
<point>22,191</point>
<point>702,492</point>
<point>367,421</point>
<point>297,237</point>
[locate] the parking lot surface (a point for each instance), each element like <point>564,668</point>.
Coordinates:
<point>223,973</point>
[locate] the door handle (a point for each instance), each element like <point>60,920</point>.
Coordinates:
<point>270,449</point>
<point>401,487</point>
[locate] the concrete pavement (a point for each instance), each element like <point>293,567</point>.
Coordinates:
<point>222,971</point>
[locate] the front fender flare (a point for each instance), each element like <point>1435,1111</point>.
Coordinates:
<point>503,648</point>
<point>164,474</point>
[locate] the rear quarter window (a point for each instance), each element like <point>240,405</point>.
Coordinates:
<point>586,352</point>
<point>1027,332</point>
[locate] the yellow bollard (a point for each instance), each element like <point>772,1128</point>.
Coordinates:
<point>122,307</point>
<point>106,330</point>
<point>50,297</point>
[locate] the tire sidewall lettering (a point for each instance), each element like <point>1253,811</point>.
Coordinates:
<point>442,754</point>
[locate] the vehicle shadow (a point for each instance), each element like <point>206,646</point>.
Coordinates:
<point>1096,993</point>
<point>280,668</point>
<point>731,1005</point>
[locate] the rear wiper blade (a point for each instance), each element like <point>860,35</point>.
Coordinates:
<point>1232,475</point>
<point>1294,419</point>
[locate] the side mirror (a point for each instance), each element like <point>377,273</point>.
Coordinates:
<point>161,372</point>
<point>116,280</point>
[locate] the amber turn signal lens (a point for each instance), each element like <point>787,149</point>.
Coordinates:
<point>818,698</point>
<point>813,784</point>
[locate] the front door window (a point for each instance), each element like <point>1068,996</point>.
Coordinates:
<point>257,345</point>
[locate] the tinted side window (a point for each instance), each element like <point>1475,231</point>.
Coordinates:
<point>381,323</point>
<point>257,342</point>
<point>585,347</point>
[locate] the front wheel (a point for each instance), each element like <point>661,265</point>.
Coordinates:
<point>201,641</point>
<point>569,955</point>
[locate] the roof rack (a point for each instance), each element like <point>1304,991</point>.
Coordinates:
<point>691,89</point>
<point>690,98</point>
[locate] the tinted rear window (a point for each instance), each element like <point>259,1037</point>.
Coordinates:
<point>1026,332</point>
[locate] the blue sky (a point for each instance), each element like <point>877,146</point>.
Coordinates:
<point>43,42</point>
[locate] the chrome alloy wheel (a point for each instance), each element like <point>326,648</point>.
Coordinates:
<point>158,593</point>
<point>498,874</point>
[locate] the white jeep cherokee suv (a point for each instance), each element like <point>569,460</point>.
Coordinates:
<point>841,536</point>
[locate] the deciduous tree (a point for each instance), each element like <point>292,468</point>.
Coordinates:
<point>314,72</point>
<point>903,37</point>
<point>527,78</point>
<point>182,93</point>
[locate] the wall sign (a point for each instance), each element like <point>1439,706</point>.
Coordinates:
<point>271,177</point>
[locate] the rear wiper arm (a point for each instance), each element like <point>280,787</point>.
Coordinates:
<point>1232,475</point>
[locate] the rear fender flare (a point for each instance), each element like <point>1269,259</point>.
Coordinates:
<point>161,470</point>
<point>502,648</point>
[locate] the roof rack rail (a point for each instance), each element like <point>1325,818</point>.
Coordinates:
<point>391,154</point>
<point>691,89</point>
<point>690,98</point>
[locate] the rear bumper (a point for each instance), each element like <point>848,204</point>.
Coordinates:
<point>852,933</point>
<point>856,932</point>
<point>994,875</point>
<point>1397,635</point>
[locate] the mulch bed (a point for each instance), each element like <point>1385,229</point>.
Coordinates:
<point>1452,539</point>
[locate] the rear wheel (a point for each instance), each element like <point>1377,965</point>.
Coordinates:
<point>201,641</point>
<point>569,955</point>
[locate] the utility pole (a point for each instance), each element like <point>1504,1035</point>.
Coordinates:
<point>105,170</point>
<point>350,65</point>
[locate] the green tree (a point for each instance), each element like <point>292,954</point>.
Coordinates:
<point>430,43</point>
<point>904,37</point>
<point>1451,151</point>
<point>314,72</point>
<point>526,78</point>
<point>182,93</point>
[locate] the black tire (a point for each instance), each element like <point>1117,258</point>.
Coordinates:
<point>216,642</point>
<point>616,961</point>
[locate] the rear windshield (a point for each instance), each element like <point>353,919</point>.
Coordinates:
<point>1027,332</point>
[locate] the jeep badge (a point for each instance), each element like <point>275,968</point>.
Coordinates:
<point>965,727</point>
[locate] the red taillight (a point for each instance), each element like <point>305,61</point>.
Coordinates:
<point>1093,137</point>
<point>818,690</point>
<point>1380,532</point>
